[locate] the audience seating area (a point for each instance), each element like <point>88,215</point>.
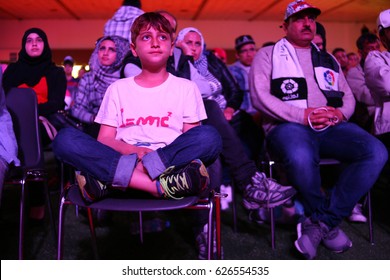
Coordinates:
<point>118,241</point>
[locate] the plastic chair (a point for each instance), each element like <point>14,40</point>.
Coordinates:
<point>23,108</point>
<point>73,196</point>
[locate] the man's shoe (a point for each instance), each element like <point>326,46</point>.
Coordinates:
<point>357,215</point>
<point>337,241</point>
<point>189,180</point>
<point>310,236</point>
<point>265,192</point>
<point>91,188</point>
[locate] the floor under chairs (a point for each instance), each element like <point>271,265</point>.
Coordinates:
<point>251,241</point>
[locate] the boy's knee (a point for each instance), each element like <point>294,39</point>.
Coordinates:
<point>212,135</point>
<point>63,141</point>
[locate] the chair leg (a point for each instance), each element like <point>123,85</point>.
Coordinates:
<point>141,227</point>
<point>370,224</point>
<point>272,218</point>
<point>21,218</point>
<point>218,225</point>
<point>50,209</point>
<point>93,233</point>
<point>234,209</point>
<point>210,230</point>
<point>60,237</point>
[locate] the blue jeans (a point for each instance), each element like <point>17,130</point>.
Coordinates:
<point>109,166</point>
<point>300,149</point>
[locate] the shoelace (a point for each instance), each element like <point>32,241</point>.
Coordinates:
<point>265,183</point>
<point>179,186</point>
<point>315,227</point>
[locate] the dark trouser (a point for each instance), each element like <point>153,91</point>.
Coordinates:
<point>300,149</point>
<point>241,168</point>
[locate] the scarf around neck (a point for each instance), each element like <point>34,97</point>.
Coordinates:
<point>288,82</point>
<point>103,76</point>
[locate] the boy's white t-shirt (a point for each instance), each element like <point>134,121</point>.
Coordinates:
<point>151,117</point>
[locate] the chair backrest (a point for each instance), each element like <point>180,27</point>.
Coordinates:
<point>23,106</point>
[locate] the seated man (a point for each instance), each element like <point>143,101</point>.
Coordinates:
<point>306,103</point>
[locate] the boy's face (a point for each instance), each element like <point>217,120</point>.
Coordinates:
<point>153,47</point>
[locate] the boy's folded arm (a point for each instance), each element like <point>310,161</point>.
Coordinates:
<point>107,137</point>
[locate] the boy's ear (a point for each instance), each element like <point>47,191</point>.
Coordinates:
<point>172,47</point>
<point>132,47</point>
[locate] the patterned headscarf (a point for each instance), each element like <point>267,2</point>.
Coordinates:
<point>103,76</point>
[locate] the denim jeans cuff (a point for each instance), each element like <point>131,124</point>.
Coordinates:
<point>124,170</point>
<point>153,164</point>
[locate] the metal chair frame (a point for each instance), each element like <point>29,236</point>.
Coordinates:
<point>23,107</point>
<point>212,204</point>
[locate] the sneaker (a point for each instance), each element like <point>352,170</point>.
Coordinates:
<point>357,215</point>
<point>337,241</point>
<point>310,236</point>
<point>266,192</point>
<point>189,180</point>
<point>91,188</point>
<point>201,244</point>
<point>287,214</point>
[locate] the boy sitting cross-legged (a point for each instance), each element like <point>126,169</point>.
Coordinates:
<point>150,137</point>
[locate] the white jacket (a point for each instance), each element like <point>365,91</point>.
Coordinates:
<point>377,72</point>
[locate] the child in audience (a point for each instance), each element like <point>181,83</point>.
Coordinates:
<point>150,137</point>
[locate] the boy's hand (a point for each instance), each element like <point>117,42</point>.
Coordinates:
<point>141,151</point>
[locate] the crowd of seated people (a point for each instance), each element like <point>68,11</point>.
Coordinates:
<point>258,104</point>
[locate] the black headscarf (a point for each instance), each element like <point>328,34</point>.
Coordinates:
<point>29,70</point>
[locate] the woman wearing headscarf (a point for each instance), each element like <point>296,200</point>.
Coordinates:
<point>224,89</point>
<point>35,69</point>
<point>105,63</point>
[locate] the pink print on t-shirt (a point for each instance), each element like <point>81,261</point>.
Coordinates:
<point>149,120</point>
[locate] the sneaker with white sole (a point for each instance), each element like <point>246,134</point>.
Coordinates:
<point>265,192</point>
<point>337,241</point>
<point>357,215</point>
<point>190,180</point>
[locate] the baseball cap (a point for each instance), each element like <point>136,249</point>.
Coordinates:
<point>299,6</point>
<point>68,60</point>
<point>243,40</point>
<point>383,20</point>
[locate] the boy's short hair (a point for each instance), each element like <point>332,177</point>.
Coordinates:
<point>148,20</point>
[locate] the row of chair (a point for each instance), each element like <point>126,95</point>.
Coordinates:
<point>22,105</point>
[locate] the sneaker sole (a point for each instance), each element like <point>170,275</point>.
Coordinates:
<point>344,249</point>
<point>358,220</point>
<point>82,182</point>
<point>298,246</point>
